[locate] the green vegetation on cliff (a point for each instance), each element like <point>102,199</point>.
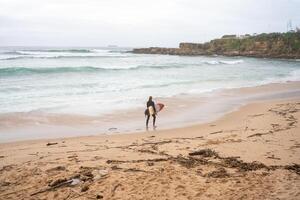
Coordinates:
<point>275,45</point>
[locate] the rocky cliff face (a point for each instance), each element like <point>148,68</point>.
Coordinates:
<point>273,45</point>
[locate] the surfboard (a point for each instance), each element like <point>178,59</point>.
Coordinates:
<point>158,107</point>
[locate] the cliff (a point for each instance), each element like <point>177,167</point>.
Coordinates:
<point>272,45</point>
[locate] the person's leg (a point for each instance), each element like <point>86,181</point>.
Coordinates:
<point>154,118</point>
<point>147,121</point>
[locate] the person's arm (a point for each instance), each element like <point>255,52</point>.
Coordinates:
<point>153,106</point>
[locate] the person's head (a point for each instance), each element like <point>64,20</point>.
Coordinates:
<point>150,98</point>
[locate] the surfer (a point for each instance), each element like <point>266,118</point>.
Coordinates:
<point>150,111</point>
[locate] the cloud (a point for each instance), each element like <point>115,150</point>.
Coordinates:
<point>138,22</point>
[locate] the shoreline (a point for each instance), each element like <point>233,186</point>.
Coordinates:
<point>180,111</point>
<point>252,152</point>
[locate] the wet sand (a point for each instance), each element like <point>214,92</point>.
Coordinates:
<point>180,111</point>
<point>251,153</point>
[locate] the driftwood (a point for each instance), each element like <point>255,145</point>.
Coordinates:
<point>144,144</point>
<point>53,187</point>
<point>258,134</point>
<point>215,132</point>
<point>51,143</point>
<point>137,161</point>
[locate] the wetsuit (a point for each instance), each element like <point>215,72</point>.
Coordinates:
<point>150,103</point>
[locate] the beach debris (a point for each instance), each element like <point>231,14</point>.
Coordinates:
<point>137,161</point>
<point>99,196</point>
<point>75,181</point>
<point>97,174</point>
<point>295,168</point>
<point>86,175</point>
<point>73,156</point>
<point>136,144</point>
<point>147,151</point>
<point>204,153</point>
<point>84,188</point>
<point>219,173</point>
<point>4,183</point>
<point>186,162</point>
<point>273,157</point>
<point>115,167</point>
<point>233,162</point>
<point>134,170</point>
<point>103,172</point>
<point>58,182</point>
<point>51,143</point>
<point>7,168</point>
<point>150,163</point>
<point>2,156</point>
<point>115,188</point>
<point>62,182</point>
<point>216,132</point>
<point>257,134</point>
<point>57,168</point>
<point>112,129</point>
<point>53,185</point>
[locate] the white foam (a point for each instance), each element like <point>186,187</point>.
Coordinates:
<point>231,62</point>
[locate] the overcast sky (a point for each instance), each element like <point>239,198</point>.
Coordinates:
<point>138,22</point>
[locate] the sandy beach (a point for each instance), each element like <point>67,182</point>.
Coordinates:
<point>219,81</point>
<point>251,153</point>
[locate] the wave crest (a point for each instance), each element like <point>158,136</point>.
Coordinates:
<point>226,62</point>
<point>61,57</point>
<point>12,71</point>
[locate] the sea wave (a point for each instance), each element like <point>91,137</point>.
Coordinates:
<point>52,51</point>
<point>212,62</point>
<point>34,51</point>
<point>11,71</point>
<point>61,57</point>
<point>293,76</point>
<point>227,62</point>
<point>231,62</point>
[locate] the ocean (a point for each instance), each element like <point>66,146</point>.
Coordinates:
<point>99,81</point>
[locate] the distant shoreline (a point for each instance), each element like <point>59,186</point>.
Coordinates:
<point>272,45</point>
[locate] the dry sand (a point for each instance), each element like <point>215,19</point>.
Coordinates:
<point>252,153</point>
